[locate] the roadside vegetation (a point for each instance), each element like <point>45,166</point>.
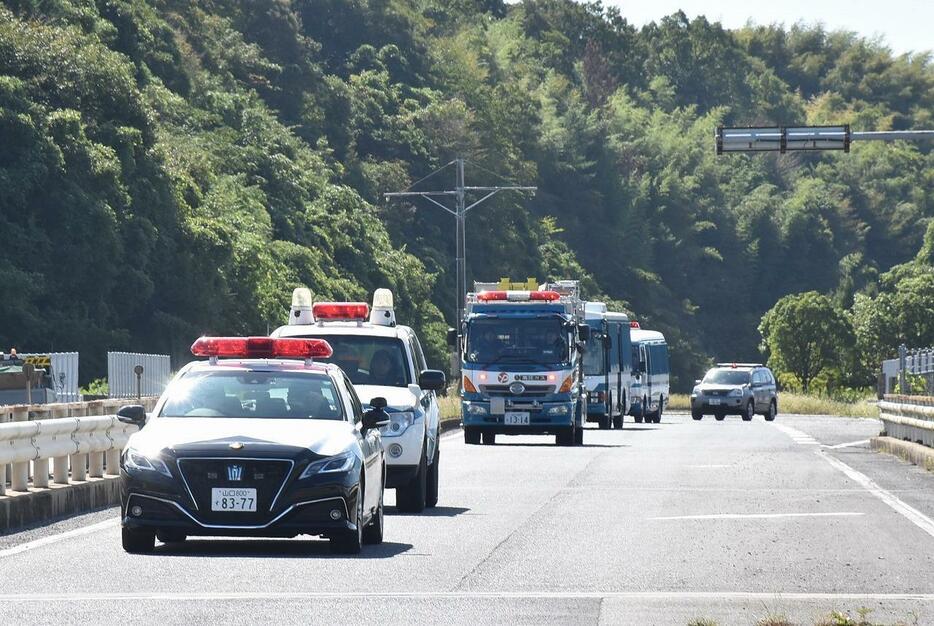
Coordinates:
<point>173,167</point>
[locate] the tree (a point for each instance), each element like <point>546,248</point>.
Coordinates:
<point>804,335</point>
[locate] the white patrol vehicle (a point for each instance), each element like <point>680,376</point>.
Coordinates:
<point>383,359</point>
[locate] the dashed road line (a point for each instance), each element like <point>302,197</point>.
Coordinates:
<point>798,436</point>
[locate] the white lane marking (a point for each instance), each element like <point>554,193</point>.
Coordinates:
<point>910,513</point>
<point>798,436</point>
<point>39,596</point>
<point>758,515</point>
<point>69,534</point>
<point>849,444</point>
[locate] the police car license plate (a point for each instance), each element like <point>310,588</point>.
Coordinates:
<point>714,401</point>
<point>516,418</point>
<point>233,499</point>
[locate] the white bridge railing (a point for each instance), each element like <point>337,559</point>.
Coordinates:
<point>76,446</point>
<point>908,418</point>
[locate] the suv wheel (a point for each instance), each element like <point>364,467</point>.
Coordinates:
<point>773,411</point>
<point>750,411</point>
<point>697,416</point>
<point>719,416</point>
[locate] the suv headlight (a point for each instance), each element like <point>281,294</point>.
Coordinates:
<point>135,460</point>
<point>735,393</point>
<point>696,391</point>
<point>398,422</point>
<point>331,465</point>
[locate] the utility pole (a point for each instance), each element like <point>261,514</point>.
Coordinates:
<point>459,193</point>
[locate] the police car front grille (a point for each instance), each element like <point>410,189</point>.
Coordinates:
<point>266,476</point>
<point>531,391</point>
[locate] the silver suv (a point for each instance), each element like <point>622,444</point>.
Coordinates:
<point>735,389</point>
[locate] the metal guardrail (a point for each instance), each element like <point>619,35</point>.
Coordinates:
<point>130,374</point>
<point>79,438</point>
<point>909,418</point>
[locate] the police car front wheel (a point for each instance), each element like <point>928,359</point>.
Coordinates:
<point>138,541</point>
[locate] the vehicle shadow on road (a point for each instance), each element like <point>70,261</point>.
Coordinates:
<point>438,511</point>
<point>637,429</point>
<point>273,548</point>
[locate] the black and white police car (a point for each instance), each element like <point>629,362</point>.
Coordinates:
<point>383,359</point>
<point>257,441</point>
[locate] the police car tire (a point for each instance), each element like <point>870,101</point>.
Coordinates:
<point>373,532</point>
<point>138,541</point>
<point>350,541</point>
<point>750,411</point>
<point>411,498</point>
<point>565,437</point>
<point>471,435</point>
<point>432,498</point>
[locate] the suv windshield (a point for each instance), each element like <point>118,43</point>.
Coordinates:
<point>727,377</point>
<point>495,340</point>
<point>370,360</point>
<point>273,395</point>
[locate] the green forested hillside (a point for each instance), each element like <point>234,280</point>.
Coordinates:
<point>173,167</point>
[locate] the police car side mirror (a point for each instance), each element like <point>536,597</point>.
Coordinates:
<point>132,414</point>
<point>452,337</point>
<point>583,331</point>
<point>432,380</point>
<point>376,417</point>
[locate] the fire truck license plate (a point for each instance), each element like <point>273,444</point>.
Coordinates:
<point>516,418</point>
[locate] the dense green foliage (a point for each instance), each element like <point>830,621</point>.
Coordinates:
<point>172,167</point>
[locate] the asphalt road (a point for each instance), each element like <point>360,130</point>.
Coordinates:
<point>655,524</point>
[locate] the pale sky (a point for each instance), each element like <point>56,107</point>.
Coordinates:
<point>905,25</point>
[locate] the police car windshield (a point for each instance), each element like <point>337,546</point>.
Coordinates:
<point>727,377</point>
<point>502,340</point>
<point>270,395</point>
<point>370,360</point>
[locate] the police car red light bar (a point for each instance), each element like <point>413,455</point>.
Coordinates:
<point>261,348</point>
<point>634,324</point>
<point>356,311</point>
<point>547,296</point>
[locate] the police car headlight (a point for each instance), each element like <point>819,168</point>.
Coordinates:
<point>561,409</point>
<point>735,393</point>
<point>476,409</point>
<point>398,422</point>
<point>135,460</point>
<point>331,465</point>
